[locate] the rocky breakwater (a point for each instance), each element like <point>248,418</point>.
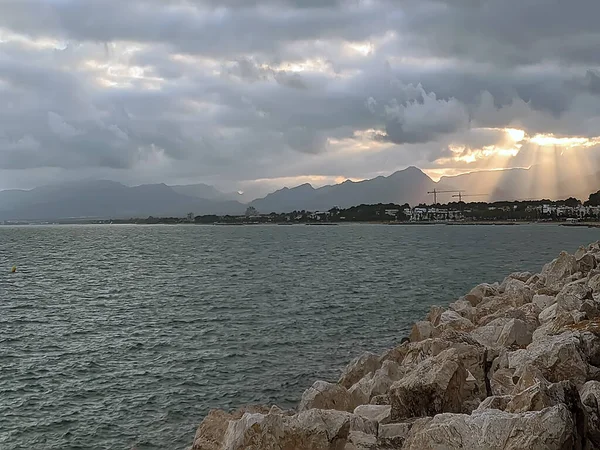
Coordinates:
<point>514,365</point>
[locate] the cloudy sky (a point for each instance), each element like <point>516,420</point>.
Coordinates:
<point>257,94</point>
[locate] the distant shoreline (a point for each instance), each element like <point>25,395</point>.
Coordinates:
<point>238,224</point>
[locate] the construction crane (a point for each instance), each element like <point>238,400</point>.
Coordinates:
<point>461,195</point>
<point>436,192</point>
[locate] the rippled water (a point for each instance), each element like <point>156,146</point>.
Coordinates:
<point>121,337</point>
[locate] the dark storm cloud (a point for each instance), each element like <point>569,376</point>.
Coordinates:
<point>261,88</point>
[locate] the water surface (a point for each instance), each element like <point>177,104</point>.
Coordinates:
<point>121,337</point>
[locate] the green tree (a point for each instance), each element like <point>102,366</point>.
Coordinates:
<point>594,199</point>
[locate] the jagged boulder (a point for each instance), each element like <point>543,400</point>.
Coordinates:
<point>543,300</point>
<point>314,429</point>
<point>324,395</point>
<point>489,334</point>
<point>423,330</point>
<point>378,413</point>
<point>590,398</point>
<point>586,263</point>
<point>479,292</point>
<point>375,383</point>
<point>548,314</point>
<point>358,368</point>
<point>572,295</point>
<point>393,435</point>
<point>558,324</point>
<point>558,357</point>
<point>451,320</point>
<point>211,432</point>
<point>518,292</point>
<point>502,381</point>
<point>438,384</point>
<point>495,402</point>
<point>594,283</point>
<point>515,333</point>
<point>434,315</point>
<point>464,308</point>
<point>553,428</point>
<point>559,270</point>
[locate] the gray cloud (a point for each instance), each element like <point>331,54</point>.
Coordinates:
<point>235,90</point>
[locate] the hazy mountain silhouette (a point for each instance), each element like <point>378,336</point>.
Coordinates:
<point>204,191</point>
<point>108,199</point>
<point>405,186</point>
<point>537,182</point>
<point>105,199</point>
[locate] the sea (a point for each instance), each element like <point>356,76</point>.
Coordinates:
<point>125,336</point>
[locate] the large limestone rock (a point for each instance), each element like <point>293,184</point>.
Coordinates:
<point>550,429</point>
<point>393,435</point>
<point>489,334</point>
<point>590,397</point>
<point>594,283</point>
<point>438,384</point>
<point>515,333</point>
<point>434,315</point>
<point>558,357</point>
<point>375,383</point>
<point>559,270</point>
<point>572,295</point>
<point>211,432</point>
<point>378,413</point>
<point>518,291</point>
<point>469,351</point>
<point>495,402</point>
<point>324,395</point>
<point>464,308</point>
<point>586,263</point>
<point>479,292</point>
<point>543,300</point>
<point>453,321</point>
<point>423,330</point>
<point>548,314</point>
<point>314,429</point>
<point>358,368</point>
<point>502,381</point>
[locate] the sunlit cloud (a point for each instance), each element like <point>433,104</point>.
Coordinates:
<point>547,140</point>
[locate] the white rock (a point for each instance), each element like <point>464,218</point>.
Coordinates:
<point>515,332</point>
<point>489,334</point>
<point>423,330</point>
<point>549,429</point>
<point>358,368</point>
<point>454,321</point>
<point>502,381</point>
<point>557,357</point>
<point>518,291</point>
<point>358,440</point>
<point>436,385</point>
<point>548,314</point>
<point>594,283</point>
<point>557,271</point>
<point>434,315</point>
<point>324,395</point>
<point>495,402</point>
<point>572,295</point>
<point>464,308</point>
<point>479,292</point>
<point>543,301</point>
<point>314,429</point>
<point>378,413</point>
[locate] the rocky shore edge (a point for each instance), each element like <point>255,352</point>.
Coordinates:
<point>511,365</point>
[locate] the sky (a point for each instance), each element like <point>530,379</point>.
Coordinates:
<point>253,95</point>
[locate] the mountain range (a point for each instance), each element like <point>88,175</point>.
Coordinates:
<point>108,199</point>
